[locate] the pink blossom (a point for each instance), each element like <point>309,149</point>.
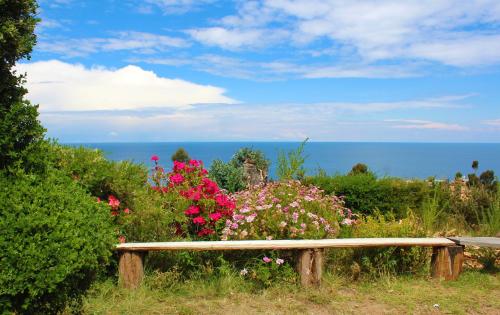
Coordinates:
<point>280,261</point>
<point>176,178</point>
<point>215,216</point>
<point>267,259</point>
<point>192,210</point>
<point>155,158</point>
<point>295,217</point>
<point>179,165</point>
<point>127,210</point>
<point>113,202</point>
<point>194,163</point>
<point>199,221</point>
<point>250,218</point>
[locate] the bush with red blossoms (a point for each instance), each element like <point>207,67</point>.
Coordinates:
<point>200,208</point>
<point>118,212</point>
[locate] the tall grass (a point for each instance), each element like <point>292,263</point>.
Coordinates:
<point>490,220</point>
<point>431,212</point>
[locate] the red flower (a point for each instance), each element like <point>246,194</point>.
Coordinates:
<point>127,210</point>
<point>114,213</point>
<point>192,210</point>
<point>113,202</point>
<point>204,232</point>
<point>210,186</point>
<point>121,239</point>
<point>176,178</point>
<point>199,221</point>
<point>215,216</point>
<point>98,199</point>
<point>155,158</point>
<point>178,166</point>
<point>194,163</point>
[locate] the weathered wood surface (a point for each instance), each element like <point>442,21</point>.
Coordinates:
<point>131,269</point>
<point>446,262</point>
<point>310,266</point>
<point>477,241</point>
<point>286,244</point>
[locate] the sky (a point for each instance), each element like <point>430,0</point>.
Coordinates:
<point>275,70</point>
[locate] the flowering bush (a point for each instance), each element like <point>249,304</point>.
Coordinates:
<point>201,208</point>
<point>268,270</point>
<point>286,210</point>
<point>118,213</point>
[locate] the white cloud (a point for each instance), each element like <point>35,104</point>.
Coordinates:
<point>320,121</point>
<point>138,42</point>
<point>492,122</point>
<point>59,86</point>
<point>172,6</point>
<point>278,70</point>
<point>233,39</point>
<point>443,31</point>
<point>424,124</point>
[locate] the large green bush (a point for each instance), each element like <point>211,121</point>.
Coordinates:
<point>364,193</point>
<point>100,176</point>
<point>54,238</point>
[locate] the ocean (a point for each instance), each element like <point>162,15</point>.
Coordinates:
<point>407,160</point>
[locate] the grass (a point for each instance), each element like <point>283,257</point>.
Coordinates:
<point>474,293</point>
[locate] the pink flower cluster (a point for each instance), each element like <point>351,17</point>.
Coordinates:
<point>114,204</point>
<point>286,210</point>
<point>188,183</point>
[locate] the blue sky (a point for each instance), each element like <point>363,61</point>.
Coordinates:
<point>207,70</point>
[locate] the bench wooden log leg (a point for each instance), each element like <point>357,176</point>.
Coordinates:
<point>131,269</point>
<point>310,266</point>
<point>447,262</point>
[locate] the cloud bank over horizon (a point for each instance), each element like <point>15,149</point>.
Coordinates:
<point>166,70</point>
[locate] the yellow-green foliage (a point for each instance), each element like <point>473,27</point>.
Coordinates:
<point>384,261</point>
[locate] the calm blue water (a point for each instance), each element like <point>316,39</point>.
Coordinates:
<point>409,160</point>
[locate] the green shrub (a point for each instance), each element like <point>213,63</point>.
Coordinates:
<point>54,238</point>
<point>181,155</point>
<point>231,176</point>
<point>227,175</point>
<point>256,157</point>
<point>99,176</point>
<point>364,193</point>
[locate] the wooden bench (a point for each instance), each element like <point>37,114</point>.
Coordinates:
<point>493,242</point>
<point>446,263</point>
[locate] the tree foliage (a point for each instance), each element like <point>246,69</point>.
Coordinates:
<point>19,125</point>
<point>181,155</point>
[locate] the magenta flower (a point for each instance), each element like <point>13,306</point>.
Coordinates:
<point>267,259</point>
<point>155,158</point>
<point>199,221</point>
<point>215,216</point>
<point>176,178</point>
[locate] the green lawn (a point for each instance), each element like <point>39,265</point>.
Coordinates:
<point>473,293</point>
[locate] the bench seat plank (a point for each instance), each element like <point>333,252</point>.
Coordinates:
<point>477,241</point>
<point>285,244</point>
